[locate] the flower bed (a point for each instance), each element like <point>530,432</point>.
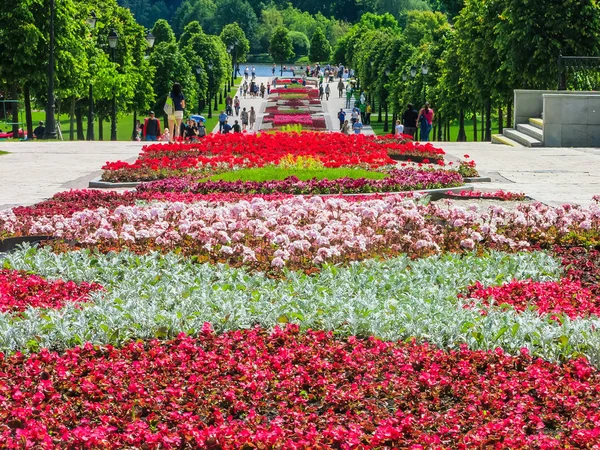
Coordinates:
<point>282,119</point>
<point>19,291</point>
<point>291,390</point>
<point>226,151</point>
<point>494,195</point>
<point>554,298</point>
<point>397,181</point>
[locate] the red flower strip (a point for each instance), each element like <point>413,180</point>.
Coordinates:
<point>248,389</point>
<point>562,297</point>
<point>19,290</point>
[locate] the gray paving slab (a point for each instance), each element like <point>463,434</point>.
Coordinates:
<point>34,171</point>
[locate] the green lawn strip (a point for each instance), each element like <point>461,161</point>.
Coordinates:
<point>2,152</point>
<point>277,173</point>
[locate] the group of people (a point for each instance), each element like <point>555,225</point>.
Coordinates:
<point>254,89</point>
<point>413,120</point>
<point>248,119</point>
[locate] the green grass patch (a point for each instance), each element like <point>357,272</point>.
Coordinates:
<point>277,173</point>
<point>2,152</point>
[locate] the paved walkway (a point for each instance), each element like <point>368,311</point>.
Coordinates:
<point>551,175</point>
<point>332,108</point>
<point>258,103</point>
<point>33,171</point>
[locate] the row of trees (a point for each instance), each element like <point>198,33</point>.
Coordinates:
<point>472,66</point>
<point>137,76</point>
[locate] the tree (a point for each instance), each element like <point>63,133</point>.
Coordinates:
<point>202,11</point>
<point>171,66</point>
<point>281,49</point>
<point>190,30</point>
<point>320,48</point>
<point>232,35</point>
<point>163,32</point>
<point>300,43</point>
<point>239,11</point>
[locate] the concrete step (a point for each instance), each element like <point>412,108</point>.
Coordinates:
<point>538,123</point>
<point>522,138</point>
<point>532,131</point>
<point>501,139</point>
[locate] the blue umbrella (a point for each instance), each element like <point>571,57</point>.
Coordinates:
<point>197,118</point>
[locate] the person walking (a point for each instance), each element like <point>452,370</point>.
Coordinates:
<point>253,72</point>
<point>236,105</point>
<point>151,128</point>
<point>244,117</point>
<point>409,120</point>
<point>262,90</point>
<point>425,121</point>
<point>327,91</point>
<point>341,88</point>
<point>229,105</point>
<point>341,118</point>
<point>222,120</point>
<point>348,95</point>
<point>268,88</point>
<point>246,73</point>
<point>363,112</point>
<point>252,117</point>
<point>321,92</point>
<point>273,69</point>
<point>236,127</point>
<point>368,112</point>
<point>178,100</point>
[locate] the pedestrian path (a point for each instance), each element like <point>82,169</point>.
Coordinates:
<point>257,102</point>
<point>332,107</point>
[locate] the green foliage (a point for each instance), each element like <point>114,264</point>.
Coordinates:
<point>234,11</point>
<point>171,66</point>
<point>233,35</point>
<point>202,11</point>
<point>278,173</point>
<point>300,43</point>
<point>320,49</point>
<point>163,32</point>
<point>281,48</point>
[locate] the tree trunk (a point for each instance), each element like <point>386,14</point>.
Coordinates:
<point>72,119</point>
<point>100,131</point>
<point>462,134</point>
<point>15,110</point>
<point>134,125</point>
<point>216,105</point>
<point>79,118</point>
<point>500,121</point>
<point>447,131</point>
<point>440,128</point>
<point>379,116</point>
<point>509,115</point>
<point>488,120</point>
<point>482,124</point>
<point>28,118</point>
<point>474,126</point>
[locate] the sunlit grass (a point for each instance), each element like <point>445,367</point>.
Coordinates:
<point>277,173</point>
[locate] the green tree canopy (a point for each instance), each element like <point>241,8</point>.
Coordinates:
<point>300,43</point>
<point>232,35</point>
<point>280,48</point>
<point>320,49</point>
<point>163,32</point>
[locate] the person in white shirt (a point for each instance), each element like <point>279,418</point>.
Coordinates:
<point>399,128</point>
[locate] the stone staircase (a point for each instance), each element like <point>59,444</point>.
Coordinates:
<point>525,135</point>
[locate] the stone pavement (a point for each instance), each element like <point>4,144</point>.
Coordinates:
<point>34,171</point>
<point>554,176</point>
<point>332,106</point>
